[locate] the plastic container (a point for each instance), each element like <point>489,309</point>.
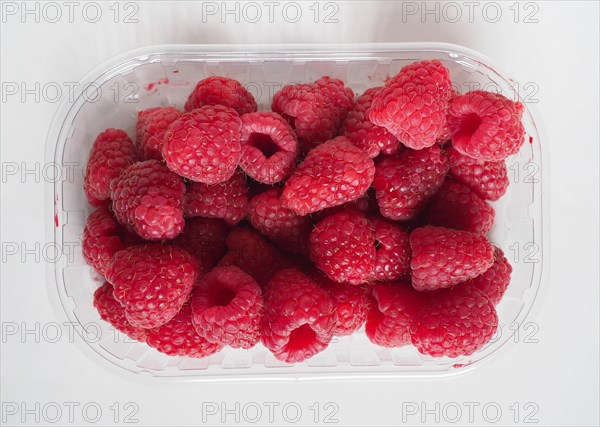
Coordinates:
<point>165,75</point>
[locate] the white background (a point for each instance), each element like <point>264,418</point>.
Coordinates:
<point>558,375</point>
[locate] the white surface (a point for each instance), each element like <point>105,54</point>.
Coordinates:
<point>558,374</point>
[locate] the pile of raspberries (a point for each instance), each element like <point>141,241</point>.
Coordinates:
<point>223,226</point>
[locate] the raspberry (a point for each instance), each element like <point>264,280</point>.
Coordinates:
<point>403,184</point>
<point>442,257</point>
<point>351,303</point>
<point>112,312</point>
<point>269,147</point>
<point>495,280</point>
<point>392,314</point>
<point>152,282</point>
<point>102,238</point>
<point>254,255</point>
<point>111,153</point>
<point>367,136</point>
<point>226,200</point>
<point>456,206</point>
<point>315,110</point>
<point>149,197</point>
<point>485,125</point>
<point>299,317</point>
<point>455,322</point>
<point>150,130</point>
<point>204,144</point>
<point>332,174</point>
<point>286,229</point>
<point>489,180</point>
<point>179,338</point>
<point>343,247</point>
<point>412,105</point>
<point>227,307</point>
<point>204,238</point>
<point>392,259</point>
<point>221,91</point>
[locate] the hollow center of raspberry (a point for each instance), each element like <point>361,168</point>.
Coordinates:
<point>223,297</point>
<point>469,124</point>
<point>264,143</point>
<point>301,338</point>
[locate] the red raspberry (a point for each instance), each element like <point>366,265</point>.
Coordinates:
<point>367,136</point>
<point>392,314</point>
<point>227,307</point>
<point>226,200</point>
<point>343,247</point>
<point>332,174</point>
<point>412,105</point>
<point>254,255</point>
<point>204,238</point>
<point>455,322</point>
<point>299,317</point>
<point>315,110</point>
<point>485,125</point>
<point>111,153</point>
<point>351,303</point>
<point>216,90</point>
<point>102,238</point>
<point>269,147</point>
<point>112,312</point>
<point>150,130</point>
<point>288,230</point>
<point>152,282</point>
<point>456,206</point>
<point>204,144</point>
<point>179,338</point>
<point>442,257</point>
<point>403,184</point>
<point>149,197</point>
<point>495,280</point>
<point>489,180</point>
<point>392,259</point>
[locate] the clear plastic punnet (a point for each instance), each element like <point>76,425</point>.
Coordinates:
<point>113,93</point>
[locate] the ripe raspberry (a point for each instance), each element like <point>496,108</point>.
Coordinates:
<point>403,184</point>
<point>152,282</point>
<point>455,322</point>
<point>343,247</point>
<point>102,238</point>
<point>111,153</point>
<point>227,308</point>
<point>112,312</point>
<point>412,105</point>
<point>315,110</point>
<point>269,147</point>
<point>204,144</point>
<point>226,200</point>
<point>392,259</point>
<point>150,130</point>
<point>392,313</point>
<point>456,206</point>
<point>179,338</point>
<point>204,238</point>
<point>216,90</point>
<point>367,136</point>
<point>442,257</point>
<point>254,255</point>
<point>351,303</point>
<point>149,197</point>
<point>286,229</point>
<point>332,174</point>
<point>495,280</point>
<point>299,317</point>
<point>489,180</point>
<point>485,125</point>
